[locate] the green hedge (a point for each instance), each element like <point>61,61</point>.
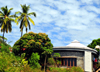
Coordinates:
<point>72,69</point>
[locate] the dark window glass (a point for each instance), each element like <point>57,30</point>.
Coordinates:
<point>71,61</point>
<point>75,62</point>
<point>65,61</point>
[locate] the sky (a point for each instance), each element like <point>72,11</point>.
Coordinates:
<point>62,20</point>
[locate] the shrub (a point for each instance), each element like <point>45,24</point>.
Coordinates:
<point>51,61</point>
<point>72,69</point>
<point>77,69</point>
<point>34,60</point>
<point>7,61</point>
<point>5,48</point>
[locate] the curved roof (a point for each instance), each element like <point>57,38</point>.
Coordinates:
<point>75,45</point>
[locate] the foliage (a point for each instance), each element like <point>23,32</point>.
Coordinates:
<point>56,55</point>
<point>51,61</point>
<point>11,63</point>
<point>6,20</point>
<point>1,41</point>
<point>7,61</point>
<point>24,17</point>
<point>94,43</point>
<point>34,60</point>
<point>33,42</point>
<point>4,47</point>
<point>72,69</point>
<point>58,62</point>
<point>77,69</point>
<point>1,37</point>
<point>24,62</point>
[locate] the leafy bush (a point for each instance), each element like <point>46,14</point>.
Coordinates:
<point>11,63</point>
<point>4,48</point>
<point>72,69</point>
<point>77,69</point>
<point>34,60</point>
<point>58,62</point>
<point>51,61</point>
<point>56,55</point>
<point>7,61</point>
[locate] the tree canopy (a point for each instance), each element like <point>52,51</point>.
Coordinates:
<point>33,42</point>
<point>94,43</point>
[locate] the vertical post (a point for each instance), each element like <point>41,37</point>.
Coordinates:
<point>70,62</point>
<point>88,61</point>
<point>67,62</point>
<point>73,61</point>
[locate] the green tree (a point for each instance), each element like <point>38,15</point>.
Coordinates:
<point>24,18</point>
<point>6,20</point>
<point>33,42</point>
<point>94,43</point>
<point>46,52</point>
<point>56,55</point>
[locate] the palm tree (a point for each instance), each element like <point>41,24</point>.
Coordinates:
<point>24,18</point>
<point>5,20</point>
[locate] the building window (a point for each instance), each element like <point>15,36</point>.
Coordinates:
<point>69,62</point>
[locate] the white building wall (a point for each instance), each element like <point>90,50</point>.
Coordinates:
<point>88,61</point>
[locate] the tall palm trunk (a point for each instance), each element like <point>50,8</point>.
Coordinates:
<point>3,36</point>
<point>21,33</point>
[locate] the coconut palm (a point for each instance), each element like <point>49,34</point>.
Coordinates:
<point>24,18</point>
<point>5,20</point>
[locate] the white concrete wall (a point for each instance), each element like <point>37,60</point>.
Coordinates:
<point>88,61</point>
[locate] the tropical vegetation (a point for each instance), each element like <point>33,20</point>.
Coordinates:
<point>32,52</point>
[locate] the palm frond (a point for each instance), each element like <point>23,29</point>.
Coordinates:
<point>25,8</point>
<point>17,19</point>
<point>9,11</point>
<point>26,23</point>
<point>2,25</point>
<point>12,16</point>
<point>29,24</point>
<point>32,13</point>
<point>5,20</point>
<point>1,14</point>
<point>31,21</point>
<point>11,19</point>
<point>3,9</point>
<point>9,26</point>
<point>18,12</point>
<point>21,5</point>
